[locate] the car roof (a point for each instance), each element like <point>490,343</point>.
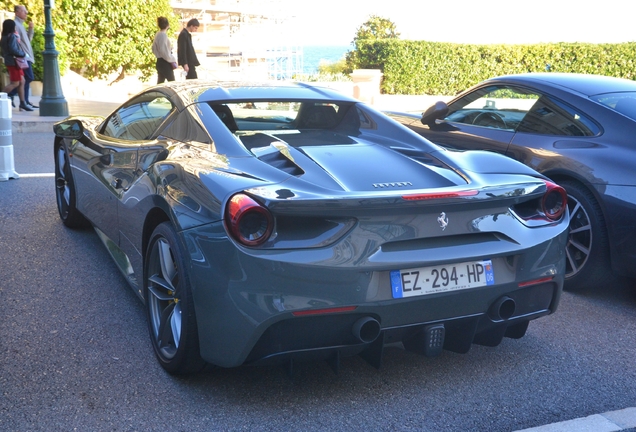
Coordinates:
<point>586,84</point>
<point>194,91</point>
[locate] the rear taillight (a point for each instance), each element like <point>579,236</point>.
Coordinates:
<point>248,222</point>
<point>548,208</point>
<point>554,201</point>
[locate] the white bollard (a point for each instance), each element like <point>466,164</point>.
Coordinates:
<point>7,168</point>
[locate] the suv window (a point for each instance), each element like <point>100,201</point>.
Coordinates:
<point>498,107</point>
<point>549,116</point>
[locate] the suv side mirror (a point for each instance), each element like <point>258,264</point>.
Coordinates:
<point>434,112</point>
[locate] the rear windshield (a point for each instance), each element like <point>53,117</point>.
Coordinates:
<point>277,115</point>
<point>624,103</point>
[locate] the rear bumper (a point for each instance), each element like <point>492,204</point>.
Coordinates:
<point>250,306</point>
<point>332,336</point>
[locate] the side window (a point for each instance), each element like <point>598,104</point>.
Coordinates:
<point>138,119</point>
<point>187,126</point>
<point>364,121</point>
<point>497,107</point>
<point>552,117</point>
<point>623,102</point>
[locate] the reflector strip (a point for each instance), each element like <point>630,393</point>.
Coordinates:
<point>535,282</point>
<point>441,195</point>
<point>325,311</point>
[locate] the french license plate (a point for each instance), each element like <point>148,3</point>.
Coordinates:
<point>443,278</point>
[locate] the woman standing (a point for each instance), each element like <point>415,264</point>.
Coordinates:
<point>162,49</point>
<point>11,49</point>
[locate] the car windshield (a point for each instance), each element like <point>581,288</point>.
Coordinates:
<point>276,115</point>
<point>624,103</point>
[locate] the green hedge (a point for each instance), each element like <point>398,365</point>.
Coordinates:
<point>419,67</point>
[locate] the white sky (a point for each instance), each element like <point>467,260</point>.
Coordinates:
<point>334,22</point>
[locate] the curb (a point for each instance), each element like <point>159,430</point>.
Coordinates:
<point>34,126</point>
<point>611,421</point>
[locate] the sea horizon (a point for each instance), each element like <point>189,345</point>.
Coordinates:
<point>313,55</point>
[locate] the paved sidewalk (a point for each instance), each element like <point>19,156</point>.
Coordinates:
<point>32,121</point>
<point>23,121</point>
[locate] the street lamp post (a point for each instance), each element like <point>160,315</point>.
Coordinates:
<point>52,102</point>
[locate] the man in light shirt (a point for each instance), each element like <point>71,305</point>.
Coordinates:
<point>25,43</point>
<point>162,49</point>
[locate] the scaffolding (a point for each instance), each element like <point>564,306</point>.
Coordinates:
<point>285,63</point>
<point>241,39</point>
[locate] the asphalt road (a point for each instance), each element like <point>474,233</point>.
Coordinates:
<point>75,355</point>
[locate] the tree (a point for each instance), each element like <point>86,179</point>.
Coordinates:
<point>99,37</point>
<point>374,28</point>
<point>35,8</point>
<point>107,36</point>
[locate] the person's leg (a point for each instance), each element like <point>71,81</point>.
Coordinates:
<point>28,77</point>
<point>23,104</point>
<point>164,71</point>
<point>192,73</point>
<point>169,72</point>
<point>12,86</point>
<point>14,77</point>
<point>158,66</point>
<point>13,93</point>
<point>14,90</point>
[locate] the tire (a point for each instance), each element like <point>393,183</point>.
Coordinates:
<point>65,191</point>
<point>169,304</point>
<point>587,251</point>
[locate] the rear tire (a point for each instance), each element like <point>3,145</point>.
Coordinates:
<point>169,304</point>
<point>65,191</point>
<point>587,251</point>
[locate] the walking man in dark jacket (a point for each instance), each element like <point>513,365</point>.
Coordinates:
<point>185,50</point>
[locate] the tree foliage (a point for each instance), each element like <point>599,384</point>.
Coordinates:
<point>100,37</point>
<point>375,28</point>
<point>111,35</point>
<point>35,8</point>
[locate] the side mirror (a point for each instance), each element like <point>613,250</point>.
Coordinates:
<point>434,112</point>
<point>70,128</point>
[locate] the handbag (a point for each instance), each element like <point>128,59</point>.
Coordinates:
<point>21,62</point>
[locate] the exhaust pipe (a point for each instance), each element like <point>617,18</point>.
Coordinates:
<point>502,309</point>
<point>366,329</point>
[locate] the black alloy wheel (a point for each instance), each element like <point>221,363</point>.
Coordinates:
<point>587,251</point>
<point>65,190</point>
<point>169,304</point>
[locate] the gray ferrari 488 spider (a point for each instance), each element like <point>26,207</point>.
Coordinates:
<point>272,223</point>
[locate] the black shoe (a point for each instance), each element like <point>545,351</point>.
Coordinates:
<point>32,106</point>
<point>25,107</point>
<point>12,102</point>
